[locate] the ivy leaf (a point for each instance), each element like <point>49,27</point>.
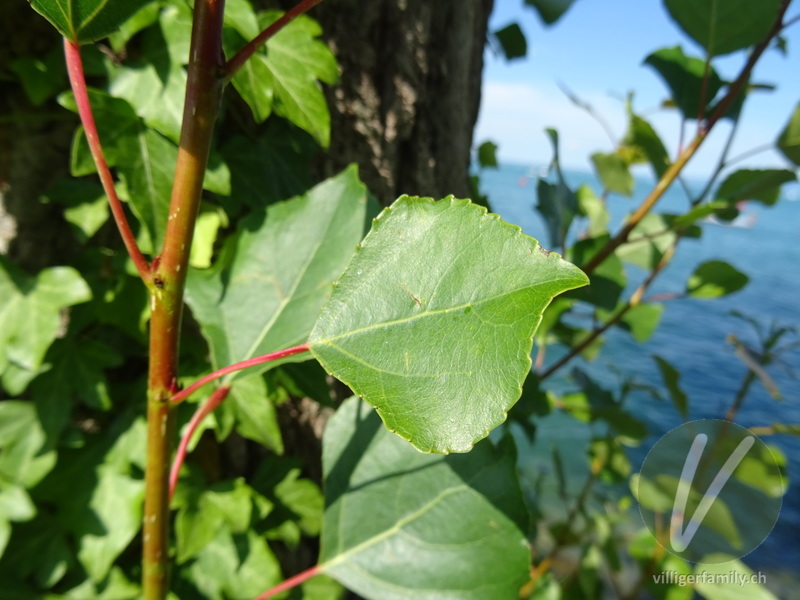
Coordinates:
<point>30,312</point>
<point>684,77</point>
<point>267,293</point>
<point>284,76</point>
<point>715,278</point>
<point>84,21</point>
<point>433,320</point>
<point>724,27</point>
<point>457,522</point>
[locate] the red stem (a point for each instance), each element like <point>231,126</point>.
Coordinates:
<point>77,80</point>
<point>251,362</point>
<point>291,582</point>
<point>202,412</point>
<point>241,57</point>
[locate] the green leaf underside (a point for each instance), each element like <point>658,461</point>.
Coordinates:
<point>724,26</point>
<point>268,295</point>
<point>84,21</point>
<point>457,523</point>
<point>432,322</point>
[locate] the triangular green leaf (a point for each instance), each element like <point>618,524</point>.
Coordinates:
<point>458,523</point>
<point>433,320</point>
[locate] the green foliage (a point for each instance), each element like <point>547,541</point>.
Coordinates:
<point>687,80</point>
<point>387,503</point>
<point>431,322</point>
<point>83,21</point>
<point>450,341</point>
<point>724,27</point>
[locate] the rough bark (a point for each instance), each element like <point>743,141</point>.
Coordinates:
<point>409,95</point>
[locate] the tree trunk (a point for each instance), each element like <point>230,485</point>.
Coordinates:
<point>410,91</point>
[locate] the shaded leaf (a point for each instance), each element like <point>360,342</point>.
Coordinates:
<point>432,321</point>
<point>265,293</point>
<point>457,522</point>
<point>512,41</point>
<point>671,377</point>
<point>86,21</point>
<point>715,278</point>
<point>724,27</point>
<point>30,312</point>
<point>607,281</point>
<point>684,77</point>
<point>487,154</point>
<point>557,203</point>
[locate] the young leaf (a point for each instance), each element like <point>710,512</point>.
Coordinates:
<point>725,26</point>
<point>684,77</point>
<point>84,21</point>
<point>433,320</point>
<point>715,278</point>
<point>267,296</point>
<point>458,522</point>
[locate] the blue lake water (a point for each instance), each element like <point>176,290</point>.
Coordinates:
<point>692,332</point>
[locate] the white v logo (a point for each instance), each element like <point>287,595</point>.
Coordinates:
<point>678,537</point>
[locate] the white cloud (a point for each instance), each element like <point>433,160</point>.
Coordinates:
<point>515,115</point>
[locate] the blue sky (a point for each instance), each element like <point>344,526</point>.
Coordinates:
<point>596,50</point>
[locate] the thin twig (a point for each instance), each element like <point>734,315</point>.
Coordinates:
<point>672,172</point>
<point>202,412</point>
<point>241,57</point>
<point>291,582</point>
<point>258,360</point>
<point>77,80</point>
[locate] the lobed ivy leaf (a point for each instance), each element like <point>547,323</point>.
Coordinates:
<point>266,291</point>
<point>30,313</point>
<point>84,21</point>
<point>725,26</point>
<point>432,322</point>
<point>283,77</point>
<point>458,522</point>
